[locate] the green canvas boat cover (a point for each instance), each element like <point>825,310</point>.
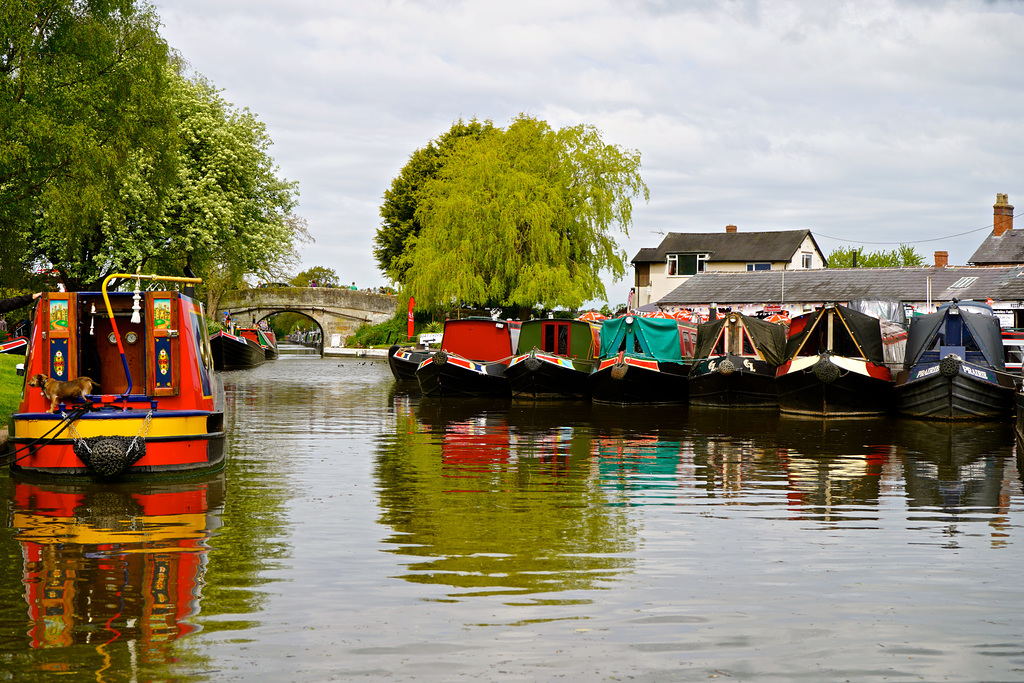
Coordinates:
<point>656,338</point>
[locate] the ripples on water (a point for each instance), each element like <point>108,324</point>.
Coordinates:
<point>361,532</point>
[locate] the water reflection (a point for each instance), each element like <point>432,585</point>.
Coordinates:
<point>113,574</point>
<point>954,467</point>
<point>549,527</point>
<point>513,496</point>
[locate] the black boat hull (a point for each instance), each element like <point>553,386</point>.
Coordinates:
<point>403,362</point>
<point>849,394</point>
<point>632,382</point>
<point>235,353</point>
<point>444,374</point>
<point>537,376</point>
<point>973,393</point>
<point>734,381</point>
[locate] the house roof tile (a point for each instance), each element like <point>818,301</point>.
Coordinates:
<point>778,245</point>
<point>846,284</point>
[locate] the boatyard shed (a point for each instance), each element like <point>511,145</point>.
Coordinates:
<point>799,291</point>
<point>682,255</point>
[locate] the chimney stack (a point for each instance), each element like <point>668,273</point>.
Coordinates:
<point>941,259</point>
<point>732,228</point>
<point>1002,215</point>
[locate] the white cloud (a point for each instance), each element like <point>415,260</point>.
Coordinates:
<point>869,120</point>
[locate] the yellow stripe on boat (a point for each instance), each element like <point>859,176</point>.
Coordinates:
<point>190,425</point>
<point>52,530</point>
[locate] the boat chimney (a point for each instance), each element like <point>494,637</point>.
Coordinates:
<point>1002,215</point>
<point>941,259</point>
<point>732,228</point>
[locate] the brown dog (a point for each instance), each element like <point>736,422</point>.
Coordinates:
<point>58,391</point>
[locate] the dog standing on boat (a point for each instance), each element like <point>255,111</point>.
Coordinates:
<point>57,391</point>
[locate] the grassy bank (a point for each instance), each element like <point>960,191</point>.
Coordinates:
<point>10,385</point>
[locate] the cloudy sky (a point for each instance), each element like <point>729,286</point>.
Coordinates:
<point>869,122</point>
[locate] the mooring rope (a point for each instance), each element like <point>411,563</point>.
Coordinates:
<point>65,422</point>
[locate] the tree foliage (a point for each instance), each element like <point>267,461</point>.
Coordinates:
<point>399,224</point>
<point>82,91</point>
<point>111,159</point>
<point>322,276</point>
<point>854,257</point>
<point>520,217</point>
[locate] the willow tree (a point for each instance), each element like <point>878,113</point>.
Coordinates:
<point>523,216</point>
<point>400,225</point>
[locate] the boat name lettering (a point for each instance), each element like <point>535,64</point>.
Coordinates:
<point>980,374</point>
<point>927,371</point>
<point>748,365</point>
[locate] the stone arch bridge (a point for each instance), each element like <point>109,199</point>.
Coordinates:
<point>335,310</point>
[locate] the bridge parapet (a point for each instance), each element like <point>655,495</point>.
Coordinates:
<point>337,310</point>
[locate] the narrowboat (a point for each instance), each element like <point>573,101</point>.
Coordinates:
<point>263,336</point>
<point>954,367</point>
<point>554,359</point>
<point>835,365</point>
<point>735,362</point>
<point>403,361</point>
<point>472,359</point>
<point>161,409</point>
<point>234,352</point>
<point>643,360</point>
<point>17,345</point>
<point>125,560</point>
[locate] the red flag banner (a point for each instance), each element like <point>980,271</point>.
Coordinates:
<point>412,302</point>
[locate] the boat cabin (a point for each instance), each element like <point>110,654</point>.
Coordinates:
<point>73,336</point>
<point>663,339</point>
<point>838,330</point>
<point>480,339</point>
<point>742,335</point>
<point>567,338</point>
<point>968,329</point>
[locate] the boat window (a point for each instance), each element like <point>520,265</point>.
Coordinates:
<point>556,338</point>
<point>748,345</point>
<point>719,349</point>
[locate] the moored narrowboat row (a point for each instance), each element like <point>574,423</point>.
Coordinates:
<point>834,362</point>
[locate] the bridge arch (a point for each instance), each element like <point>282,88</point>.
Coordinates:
<point>336,310</point>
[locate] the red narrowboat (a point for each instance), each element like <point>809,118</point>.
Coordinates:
<point>157,409</point>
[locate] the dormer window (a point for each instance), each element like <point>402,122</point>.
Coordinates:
<point>686,264</point>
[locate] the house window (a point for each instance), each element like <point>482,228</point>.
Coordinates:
<point>686,264</point>
<point>759,266</point>
<point>805,260</point>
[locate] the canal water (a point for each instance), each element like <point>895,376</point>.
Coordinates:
<point>360,533</point>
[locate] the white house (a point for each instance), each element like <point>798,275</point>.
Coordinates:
<point>681,255</point>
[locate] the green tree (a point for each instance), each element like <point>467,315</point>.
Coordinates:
<point>229,214</point>
<point>82,93</point>
<point>522,216</point>
<point>854,257</point>
<point>399,224</point>
<point>324,277</point>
